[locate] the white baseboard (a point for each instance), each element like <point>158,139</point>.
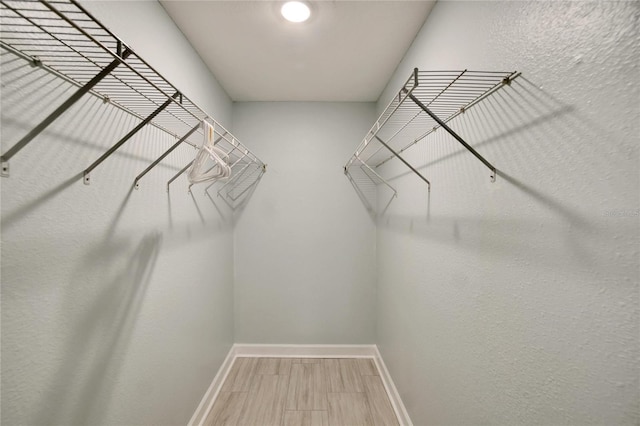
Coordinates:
<point>390,387</point>
<point>305,351</point>
<point>212,393</point>
<point>300,351</point>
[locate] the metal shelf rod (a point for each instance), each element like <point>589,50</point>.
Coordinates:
<point>167,152</point>
<point>454,134</point>
<point>126,138</point>
<point>184,169</point>
<point>404,161</point>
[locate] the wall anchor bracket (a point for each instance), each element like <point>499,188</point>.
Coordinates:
<point>5,169</point>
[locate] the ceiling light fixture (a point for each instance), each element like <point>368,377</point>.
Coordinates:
<point>295,11</point>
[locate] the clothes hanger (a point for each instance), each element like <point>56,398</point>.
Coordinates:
<point>208,150</point>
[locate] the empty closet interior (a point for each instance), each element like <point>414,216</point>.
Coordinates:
<point>410,212</point>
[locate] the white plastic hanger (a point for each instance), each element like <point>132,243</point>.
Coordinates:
<point>208,150</point>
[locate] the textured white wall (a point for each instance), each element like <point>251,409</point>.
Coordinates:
<point>517,302</point>
<point>304,246</point>
<point>116,304</point>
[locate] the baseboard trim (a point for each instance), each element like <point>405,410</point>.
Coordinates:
<point>305,351</point>
<point>300,351</point>
<point>392,391</point>
<point>212,392</point>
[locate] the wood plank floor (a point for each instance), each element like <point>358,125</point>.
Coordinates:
<point>302,392</point>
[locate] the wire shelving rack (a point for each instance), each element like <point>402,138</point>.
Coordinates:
<point>63,38</point>
<point>428,100</point>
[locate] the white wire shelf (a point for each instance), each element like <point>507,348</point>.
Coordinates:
<point>427,101</point>
<point>63,38</point>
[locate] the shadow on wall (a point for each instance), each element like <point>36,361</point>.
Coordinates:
<point>95,347</point>
<point>21,212</point>
<point>81,134</point>
<point>97,293</point>
<point>26,126</point>
<point>526,132</point>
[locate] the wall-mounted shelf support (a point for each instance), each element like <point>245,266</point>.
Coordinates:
<point>428,100</point>
<point>167,152</point>
<point>454,134</point>
<point>61,109</point>
<point>177,175</point>
<point>62,38</point>
<point>404,161</point>
<point>127,137</point>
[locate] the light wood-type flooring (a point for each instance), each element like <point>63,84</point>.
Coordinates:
<point>302,392</point>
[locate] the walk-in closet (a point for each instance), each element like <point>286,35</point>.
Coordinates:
<point>319,212</point>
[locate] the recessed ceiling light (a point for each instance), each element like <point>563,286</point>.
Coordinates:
<point>295,11</point>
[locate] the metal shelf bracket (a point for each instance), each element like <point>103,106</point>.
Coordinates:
<point>63,39</point>
<point>436,97</point>
<point>455,135</point>
<point>128,136</point>
<point>62,108</point>
<point>167,152</point>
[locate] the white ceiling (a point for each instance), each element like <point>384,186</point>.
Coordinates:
<point>346,51</point>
